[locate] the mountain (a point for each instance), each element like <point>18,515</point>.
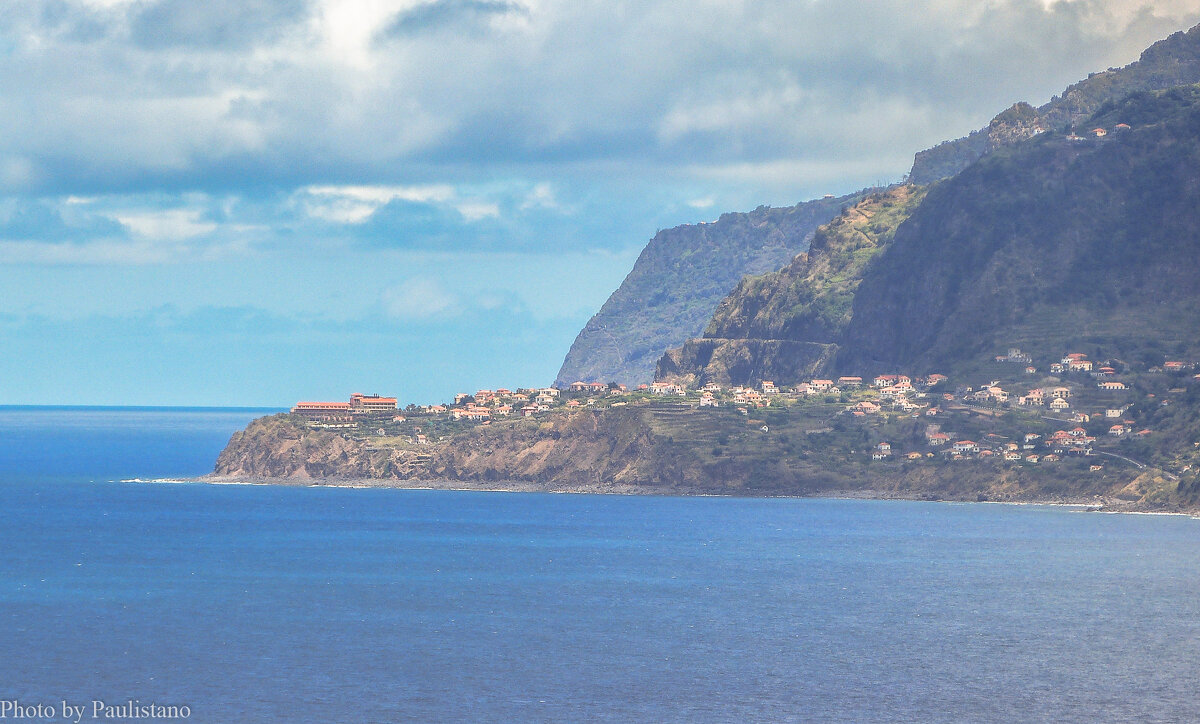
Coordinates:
<point>677,282</point>
<point>1171,62</point>
<point>785,326</point>
<point>1058,241</point>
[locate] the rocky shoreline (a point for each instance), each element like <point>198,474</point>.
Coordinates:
<point>1089,504</point>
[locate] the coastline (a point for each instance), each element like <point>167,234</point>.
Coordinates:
<point>1109,506</point>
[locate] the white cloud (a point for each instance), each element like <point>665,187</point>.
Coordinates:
<point>419,298</point>
<point>167,225</point>
<point>476,210</point>
<point>541,196</point>
<point>701,203</point>
<point>356,204</point>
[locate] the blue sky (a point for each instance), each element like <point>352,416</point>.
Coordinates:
<point>251,202</point>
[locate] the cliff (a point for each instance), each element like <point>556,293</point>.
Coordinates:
<point>785,326</point>
<point>1171,62</point>
<point>1049,243</point>
<point>677,282</point>
<point>675,448</point>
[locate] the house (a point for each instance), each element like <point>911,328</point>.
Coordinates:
<point>1077,432</point>
<point>1118,430</point>
<point>884,447</point>
<point>884,380</point>
<point>578,386</point>
<point>1121,127</point>
<point>1031,436</point>
<point>1060,392</point>
<point>1111,385</point>
<point>769,388</point>
<point>1012,457</point>
<point>1031,370</point>
<point>1099,132</point>
<point>965,446</point>
<point>528,411</point>
<point>712,387</point>
<point>1079,365</point>
<point>866,407</point>
<point>1113,413</point>
<point>937,439</point>
<point>1059,403</point>
<point>1031,458</point>
<point>935,379</point>
<point>850,381</point>
<point>1056,368</point>
<point>707,400</point>
<point>821,385</point>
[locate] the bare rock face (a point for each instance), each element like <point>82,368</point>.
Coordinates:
<point>280,447</point>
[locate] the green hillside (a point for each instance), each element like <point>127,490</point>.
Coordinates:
<point>1058,241</point>
<point>785,325</point>
<point>677,282</point>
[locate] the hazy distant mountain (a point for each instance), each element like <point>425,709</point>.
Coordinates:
<point>677,282</point>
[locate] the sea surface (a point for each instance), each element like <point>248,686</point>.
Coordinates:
<point>257,603</point>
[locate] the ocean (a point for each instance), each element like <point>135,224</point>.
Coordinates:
<point>259,603</point>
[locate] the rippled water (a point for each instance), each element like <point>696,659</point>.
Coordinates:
<point>251,603</point>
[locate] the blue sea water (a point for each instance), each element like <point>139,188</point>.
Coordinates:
<point>255,603</point>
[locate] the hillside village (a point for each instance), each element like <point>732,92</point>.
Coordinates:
<point>1077,409</point>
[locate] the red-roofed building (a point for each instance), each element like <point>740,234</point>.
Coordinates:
<point>328,411</point>
<point>361,404</point>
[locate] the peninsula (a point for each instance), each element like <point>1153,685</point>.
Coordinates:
<point>1023,326</point>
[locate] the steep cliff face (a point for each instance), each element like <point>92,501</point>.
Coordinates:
<point>677,282</point>
<point>1050,243</point>
<point>1171,62</point>
<point>785,326</point>
<point>282,447</point>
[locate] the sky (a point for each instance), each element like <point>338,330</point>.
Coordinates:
<point>251,202</point>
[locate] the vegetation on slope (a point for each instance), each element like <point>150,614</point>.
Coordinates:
<point>677,282</point>
<point>1056,241</point>
<point>781,326</point>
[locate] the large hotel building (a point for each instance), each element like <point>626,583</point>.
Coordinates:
<point>359,404</point>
